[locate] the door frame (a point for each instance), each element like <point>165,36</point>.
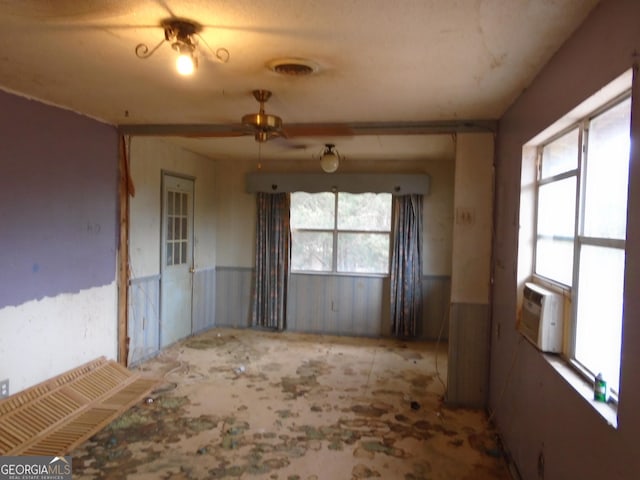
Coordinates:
<point>163,174</point>
<point>125,191</point>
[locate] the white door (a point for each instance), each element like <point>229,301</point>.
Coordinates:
<point>176,267</point>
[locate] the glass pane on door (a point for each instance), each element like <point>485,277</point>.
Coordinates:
<point>177,240</point>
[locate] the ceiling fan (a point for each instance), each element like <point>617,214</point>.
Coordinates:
<point>265,126</point>
<point>261,125</point>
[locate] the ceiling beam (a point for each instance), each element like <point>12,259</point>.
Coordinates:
<point>345,129</point>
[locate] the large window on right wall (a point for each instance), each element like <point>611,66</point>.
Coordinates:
<point>581,218</point>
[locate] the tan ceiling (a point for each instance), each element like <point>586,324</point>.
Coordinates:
<point>381,63</point>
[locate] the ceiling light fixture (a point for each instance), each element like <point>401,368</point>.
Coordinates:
<point>329,158</point>
<point>183,36</point>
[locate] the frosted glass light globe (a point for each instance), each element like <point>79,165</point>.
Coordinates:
<point>329,162</point>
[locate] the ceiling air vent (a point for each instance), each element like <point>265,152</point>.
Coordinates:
<point>293,67</point>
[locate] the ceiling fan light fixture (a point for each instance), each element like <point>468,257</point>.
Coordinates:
<point>186,63</point>
<point>329,160</point>
<point>182,34</point>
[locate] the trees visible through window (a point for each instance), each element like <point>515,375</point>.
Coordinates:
<point>340,232</point>
<point>581,229</point>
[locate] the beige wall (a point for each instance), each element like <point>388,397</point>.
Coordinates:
<point>236,208</point>
<point>472,219</point>
<point>469,321</point>
<point>149,157</point>
<point>235,213</point>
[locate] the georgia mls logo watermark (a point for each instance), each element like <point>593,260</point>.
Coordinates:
<point>35,468</point>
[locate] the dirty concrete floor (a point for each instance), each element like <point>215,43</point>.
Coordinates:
<point>247,404</point>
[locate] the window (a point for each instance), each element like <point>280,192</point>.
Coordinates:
<point>556,208</point>
<point>340,232</point>
<point>580,232</point>
<point>177,232</point>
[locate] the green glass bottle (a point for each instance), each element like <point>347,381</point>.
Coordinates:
<point>600,389</point>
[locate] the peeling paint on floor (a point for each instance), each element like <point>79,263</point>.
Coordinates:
<point>239,404</point>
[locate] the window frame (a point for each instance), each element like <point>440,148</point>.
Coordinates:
<point>576,172</point>
<point>580,240</point>
<point>335,231</point>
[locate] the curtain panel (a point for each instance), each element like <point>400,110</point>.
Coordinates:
<point>406,266</point>
<point>273,246</point>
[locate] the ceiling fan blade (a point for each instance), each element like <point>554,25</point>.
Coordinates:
<point>229,134</point>
<point>316,130</point>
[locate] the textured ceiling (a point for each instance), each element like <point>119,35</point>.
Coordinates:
<point>379,62</point>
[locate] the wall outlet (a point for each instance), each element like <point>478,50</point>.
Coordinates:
<point>4,388</point>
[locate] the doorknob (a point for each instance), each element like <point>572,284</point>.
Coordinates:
<point>192,270</point>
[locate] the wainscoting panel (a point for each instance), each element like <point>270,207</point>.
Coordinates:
<point>327,304</point>
<point>233,297</point>
<point>436,294</point>
<point>204,300</point>
<point>309,304</point>
<point>144,318</point>
<point>359,305</point>
<point>468,368</point>
<point>341,305</point>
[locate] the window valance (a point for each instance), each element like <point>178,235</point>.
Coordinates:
<point>396,184</point>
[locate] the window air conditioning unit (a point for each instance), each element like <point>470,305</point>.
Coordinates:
<point>541,318</point>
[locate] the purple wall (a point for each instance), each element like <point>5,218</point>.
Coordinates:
<point>58,201</point>
<point>535,409</point>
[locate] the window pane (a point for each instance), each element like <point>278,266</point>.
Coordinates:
<point>176,228</point>
<point>363,252</point>
<point>556,229</point>
<point>366,211</point>
<point>311,251</point>
<point>561,155</point>
<point>184,200</point>
<point>312,210</point>
<point>554,260</point>
<point>170,203</point>
<point>183,252</point>
<point>599,314</point>
<point>607,172</point>
<point>170,228</point>
<point>184,232</point>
